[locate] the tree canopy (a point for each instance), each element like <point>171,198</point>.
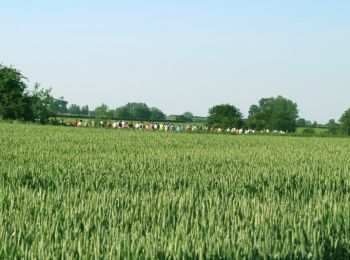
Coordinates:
<point>18,103</point>
<point>74,109</point>
<point>141,111</point>
<point>273,113</point>
<point>102,111</point>
<point>14,99</point>
<point>224,116</point>
<point>302,122</point>
<point>43,103</point>
<point>157,114</point>
<point>345,122</point>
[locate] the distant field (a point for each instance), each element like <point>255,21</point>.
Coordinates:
<point>318,131</point>
<point>100,193</point>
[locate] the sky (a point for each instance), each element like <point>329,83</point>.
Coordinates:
<point>184,55</point>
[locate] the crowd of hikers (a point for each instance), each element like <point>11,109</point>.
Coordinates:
<point>162,127</point>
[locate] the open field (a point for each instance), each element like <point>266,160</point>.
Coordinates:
<point>94,193</point>
<point>318,131</point>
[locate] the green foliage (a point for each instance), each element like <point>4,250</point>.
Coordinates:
<point>185,117</point>
<point>43,103</point>
<point>333,127</point>
<point>74,109</point>
<point>157,114</point>
<point>171,117</point>
<point>85,110</point>
<point>17,103</point>
<point>139,111</point>
<point>122,112</point>
<point>102,111</point>
<point>315,124</point>
<point>256,119</point>
<point>345,122</point>
<point>225,116</point>
<point>302,122</point>
<point>274,113</point>
<point>309,131</point>
<point>319,132</point>
<point>60,106</point>
<point>188,115</point>
<point>14,100</point>
<point>69,193</point>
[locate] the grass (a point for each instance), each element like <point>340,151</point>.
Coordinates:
<point>93,193</point>
<point>317,131</point>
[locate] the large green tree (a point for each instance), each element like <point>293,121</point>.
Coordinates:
<point>157,114</point>
<point>102,111</point>
<point>14,99</point>
<point>141,111</point>
<point>345,122</point>
<point>225,115</point>
<point>44,105</point>
<point>274,113</point>
<point>122,112</point>
<point>188,116</point>
<point>255,118</point>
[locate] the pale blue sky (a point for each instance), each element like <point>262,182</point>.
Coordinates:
<point>184,55</point>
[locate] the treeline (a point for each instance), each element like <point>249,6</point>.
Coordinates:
<point>270,113</point>
<point>130,111</point>
<point>39,105</point>
<point>275,113</point>
<point>16,102</point>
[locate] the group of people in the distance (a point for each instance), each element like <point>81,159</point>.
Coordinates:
<point>162,127</point>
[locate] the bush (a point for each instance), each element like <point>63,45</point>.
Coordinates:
<point>308,131</point>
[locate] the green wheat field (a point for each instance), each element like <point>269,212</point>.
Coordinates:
<point>103,193</point>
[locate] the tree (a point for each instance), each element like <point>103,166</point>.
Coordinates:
<point>43,103</point>
<point>74,109</point>
<point>255,118</point>
<point>102,111</point>
<point>225,116</point>
<point>345,122</point>
<point>302,122</point>
<point>188,116</point>
<point>314,124</point>
<point>274,113</point>
<point>85,110</point>
<point>15,102</point>
<point>60,106</point>
<point>182,118</point>
<point>332,126</point>
<point>185,117</point>
<point>139,110</point>
<point>157,114</point>
<point>122,112</point>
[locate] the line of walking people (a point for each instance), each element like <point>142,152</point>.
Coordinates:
<point>162,127</point>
